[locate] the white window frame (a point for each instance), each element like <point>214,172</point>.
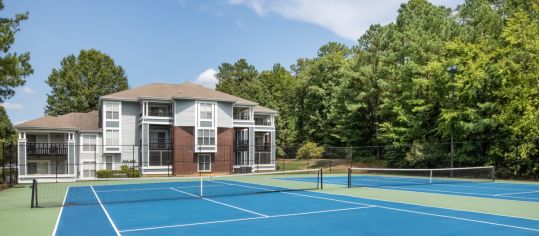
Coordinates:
<point>86,164</point>
<point>204,155</point>
<point>88,145</point>
<point>37,162</point>
<point>105,128</point>
<point>213,120</point>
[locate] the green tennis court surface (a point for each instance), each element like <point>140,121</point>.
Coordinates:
<point>268,204</point>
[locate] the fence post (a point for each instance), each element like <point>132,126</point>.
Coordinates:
<point>56,168</point>
<point>10,166</point>
<point>4,164</point>
<point>133,161</point>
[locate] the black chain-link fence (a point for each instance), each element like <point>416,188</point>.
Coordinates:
<point>8,165</point>
<point>56,162</point>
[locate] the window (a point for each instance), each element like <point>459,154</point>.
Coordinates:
<point>206,137</point>
<point>112,126</point>
<point>205,111</point>
<point>109,161</point>
<point>88,169</point>
<point>113,138</point>
<point>88,143</point>
<point>204,162</point>
<point>38,167</point>
<point>112,111</point>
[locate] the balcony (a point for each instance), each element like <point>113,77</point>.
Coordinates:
<point>263,158</point>
<point>46,149</point>
<point>262,147</point>
<point>242,117</point>
<point>160,113</point>
<point>262,122</point>
<point>161,144</point>
<point>241,145</point>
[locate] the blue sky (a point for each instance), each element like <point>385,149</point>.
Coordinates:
<point>174,41</point>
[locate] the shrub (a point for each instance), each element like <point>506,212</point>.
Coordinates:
<point>131,172</point>
<point>309,150</point>
<point>105,173</point>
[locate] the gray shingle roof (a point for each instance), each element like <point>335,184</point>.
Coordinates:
<point>72,121</point>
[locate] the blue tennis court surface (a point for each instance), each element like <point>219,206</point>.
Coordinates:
<point>122,210</point>
<point>498,190</point>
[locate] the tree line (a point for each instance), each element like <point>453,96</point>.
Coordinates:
<point>393,87</point>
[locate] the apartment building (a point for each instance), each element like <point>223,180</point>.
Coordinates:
<point>172,129</point>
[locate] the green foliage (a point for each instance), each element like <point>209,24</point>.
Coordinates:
<point>130,172</point>
<point>392,88</point>
<point>105,173</point>
<point>309,150</point>
<point>14,68</point>
<point>81,80</point>
<point>7,132</point>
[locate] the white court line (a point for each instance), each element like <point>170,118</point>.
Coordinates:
<point>504,194</point>
<point>246,219</point>
<point>60,213</point>
<point>143,189</point>
<point>297,194</point>
<point>455,192</point>
<point>221,203</point>
<point>419,212</point>
<point>460,218</point>
<point>106,213</point>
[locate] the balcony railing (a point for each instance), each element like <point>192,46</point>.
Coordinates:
<point>262,147</point>
<point>262,122</point>
<point>242,117</point>
<point>159,113</point>
<point>161,144</point>
<point>46,149</point>
<point>263,158</point>
<point>241,145</point>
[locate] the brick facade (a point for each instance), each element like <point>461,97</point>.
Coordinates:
<point>185,159</point>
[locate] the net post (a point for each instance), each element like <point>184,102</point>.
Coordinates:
<point>33,193</point>
<point>430,176</point>
<point>321,178</point>
<point>349,177</point>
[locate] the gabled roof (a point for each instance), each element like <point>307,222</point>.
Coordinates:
<point>262,109</point>
<point>72,121</point>
<point>186,90</point>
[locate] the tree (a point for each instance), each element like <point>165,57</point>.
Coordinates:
<point>237,79</point>
<point>7,132</point>
<point>320,78</point>
<point>278,91</point>
<point>81,80</point>
<point>14,67</point>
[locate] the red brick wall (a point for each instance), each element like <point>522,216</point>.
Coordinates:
<point>185,159</point>
<point>222,160</point>
<point>185,162</point>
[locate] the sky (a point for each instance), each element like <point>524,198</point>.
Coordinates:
<point>174,41</point>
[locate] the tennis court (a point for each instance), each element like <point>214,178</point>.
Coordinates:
<point>243,205</point>
<point>474,182</point>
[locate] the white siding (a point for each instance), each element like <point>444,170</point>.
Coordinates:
<point>130,130</point>
<point>130,112</point>
<point>224,115</point>
<point>185,113</point>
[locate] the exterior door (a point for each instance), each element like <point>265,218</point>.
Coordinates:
<point>109,160</point>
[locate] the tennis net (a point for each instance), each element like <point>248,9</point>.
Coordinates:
<point>126,190</point>
<point>375,177</point>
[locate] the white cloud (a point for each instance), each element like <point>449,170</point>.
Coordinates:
<point>28,90</point>
<point>207,78</point>
<point>346,18</point>
<point>12,106</point>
